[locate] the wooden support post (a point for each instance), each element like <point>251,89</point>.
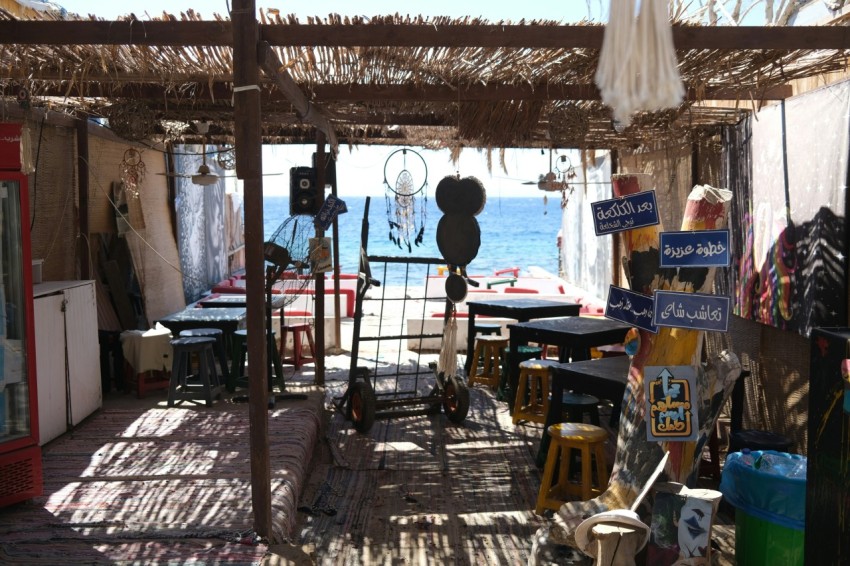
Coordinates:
<point>319,378</point>
<point>249,168</point>
<point>636,457</point>
<point>83,186</point>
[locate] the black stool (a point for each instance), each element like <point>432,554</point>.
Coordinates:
<point>218,334</point>
<point>577,405</point>
<point>525,353</point>
<point>240,356</point>
<point>180,388</point>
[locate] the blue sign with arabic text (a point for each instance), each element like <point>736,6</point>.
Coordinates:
<point>331,208</point>
<point>697,311</point>
<point>624,213</point>
<point>630,307</point>
<point>702,248</point>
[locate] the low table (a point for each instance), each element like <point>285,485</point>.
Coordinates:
<point>605,378</point>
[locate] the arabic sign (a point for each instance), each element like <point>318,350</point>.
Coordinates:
<point>691,310</point>
<point>703,248</point>
<point>331,208</point>
<point>624,213</point>
<point>630,307</point>
<point>671,403</point>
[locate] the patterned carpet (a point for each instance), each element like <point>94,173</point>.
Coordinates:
<point>160,486</point>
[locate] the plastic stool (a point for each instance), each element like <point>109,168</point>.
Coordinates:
<point>489,350</point>
<point>218,334</point>
<point>532,398</point>
<point>179,388</point>
<point>590,441</point>
<point>240,356</point>
<point>297,330</point>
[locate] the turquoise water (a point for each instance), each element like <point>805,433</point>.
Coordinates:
<point>515,232</point>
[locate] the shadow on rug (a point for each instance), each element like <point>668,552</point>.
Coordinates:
<point>420,489</point>
<point>156,486</point>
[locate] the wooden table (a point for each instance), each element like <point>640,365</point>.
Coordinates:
<point>605,378</point>
<point>574,336</point>
<point>519,309</point>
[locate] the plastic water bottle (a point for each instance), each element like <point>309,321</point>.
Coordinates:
<point>746,458</point>
<point>799,469</point>
<point>772,464</point>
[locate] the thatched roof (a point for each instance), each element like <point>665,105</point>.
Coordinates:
<point>393,79</point>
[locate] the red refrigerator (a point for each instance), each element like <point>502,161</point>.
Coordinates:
<point>20,454</point>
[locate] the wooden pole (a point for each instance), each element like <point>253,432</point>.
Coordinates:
<point>249,168</point>
<point>83,185</point>
<point>319,378</point>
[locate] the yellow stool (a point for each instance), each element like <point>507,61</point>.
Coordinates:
<point>590,441</point>
<point>534,380</point>
<point>488,352</point>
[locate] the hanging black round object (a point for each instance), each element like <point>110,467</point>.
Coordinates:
<point>458,238</point>
<point>455,287</point>
<point>460,196</point>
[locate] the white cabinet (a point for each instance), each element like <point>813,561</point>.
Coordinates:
<point>67,355</point>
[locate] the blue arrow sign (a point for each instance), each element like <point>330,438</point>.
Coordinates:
<point>624,213</point>
<point>630,307</point>
<point>703,248</point>
<point>691,310</point>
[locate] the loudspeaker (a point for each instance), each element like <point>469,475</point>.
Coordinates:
<point>302,191</point>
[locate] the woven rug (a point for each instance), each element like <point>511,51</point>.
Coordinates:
<point>160,486</point>
<point>422,490</point>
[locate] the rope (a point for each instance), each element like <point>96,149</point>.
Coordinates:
<point>447,364</point>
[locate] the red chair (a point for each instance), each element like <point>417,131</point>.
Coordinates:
<point>520,290</point>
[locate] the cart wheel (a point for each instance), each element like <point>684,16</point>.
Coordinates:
<point>456,399</point>
<point>361,406</point>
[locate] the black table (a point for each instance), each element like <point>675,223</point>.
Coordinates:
<point>519,309</point>
<point>229,300</point>
<point>574,336</point>
<point>605,378</point>
<point>229,319</point>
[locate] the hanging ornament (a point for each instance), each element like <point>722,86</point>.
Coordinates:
<point>132,172</point>
<point>406,223</point>
<point>226,157</point>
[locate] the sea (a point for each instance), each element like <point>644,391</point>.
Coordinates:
<point>515,232</point>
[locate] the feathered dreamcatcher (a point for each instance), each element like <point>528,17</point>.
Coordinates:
<point>406,197</point>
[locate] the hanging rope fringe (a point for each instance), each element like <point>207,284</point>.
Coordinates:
<point>447,364</point>
<point>638,69</point>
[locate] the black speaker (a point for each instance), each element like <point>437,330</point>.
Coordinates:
<point>302,191</point>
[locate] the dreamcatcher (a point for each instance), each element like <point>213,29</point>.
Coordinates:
<point>406,223</point>
<point>132,172</point>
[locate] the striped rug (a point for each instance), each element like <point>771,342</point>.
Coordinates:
<point>160,486</point>
<point>422,490</point>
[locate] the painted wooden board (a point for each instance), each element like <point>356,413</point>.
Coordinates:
<point>636,457</point>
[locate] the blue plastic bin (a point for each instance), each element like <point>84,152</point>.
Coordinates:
<point>770,511</point>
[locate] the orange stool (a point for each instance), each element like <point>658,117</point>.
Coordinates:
<point>533,386</point>
<point>298,331</point>
<point>488,353</point>
<point>590,441</point>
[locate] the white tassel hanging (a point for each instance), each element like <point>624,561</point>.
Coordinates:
<point>638,69</point>
<point>447,364</point>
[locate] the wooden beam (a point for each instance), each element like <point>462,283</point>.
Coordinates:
<point>306,110</point>
<point>94,86</point>
<point>249,168</point>
<point>214,33</point>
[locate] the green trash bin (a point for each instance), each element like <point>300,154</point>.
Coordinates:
<point>768,492</point>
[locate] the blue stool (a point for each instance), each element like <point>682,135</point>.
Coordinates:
<point>219,347</point>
